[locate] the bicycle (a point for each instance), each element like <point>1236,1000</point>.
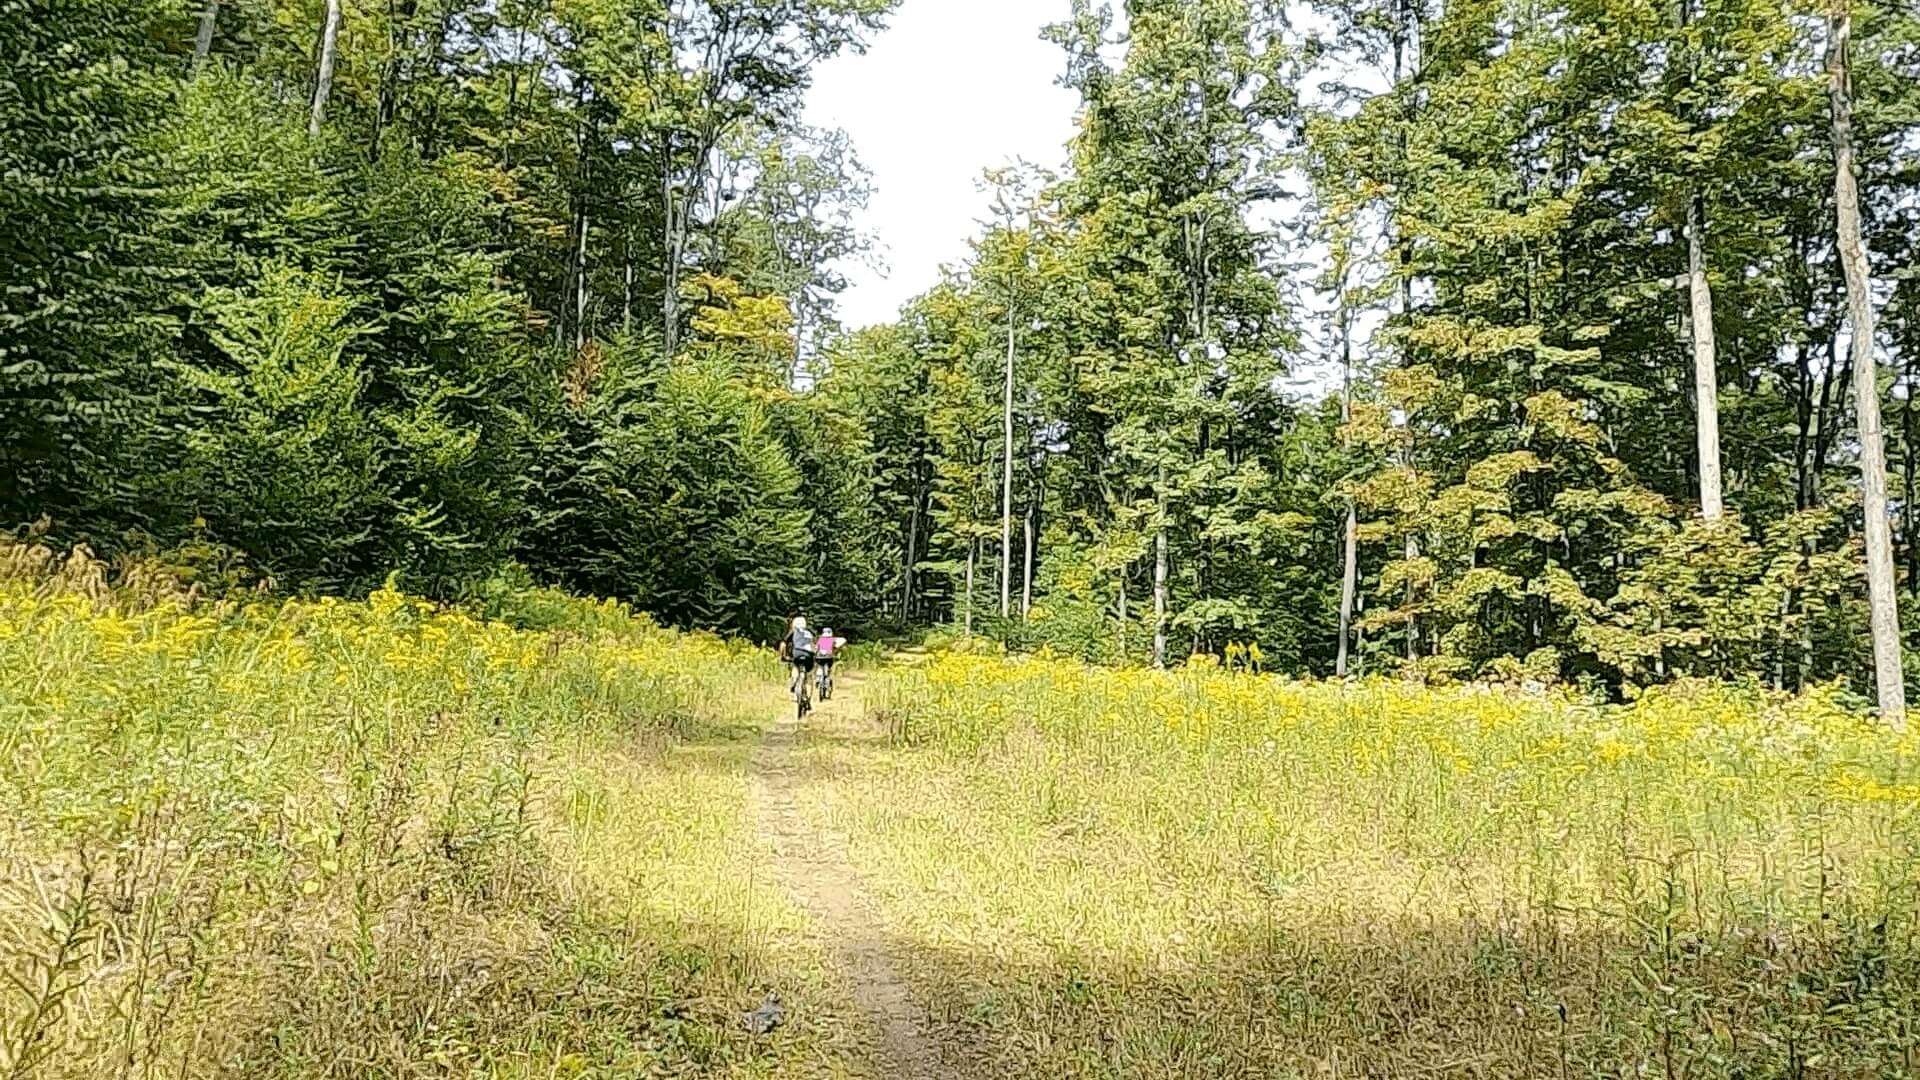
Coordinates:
<point>802,703</point>
<point>823,677</point>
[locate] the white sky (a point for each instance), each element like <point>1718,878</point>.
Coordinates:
<point>951,88</point>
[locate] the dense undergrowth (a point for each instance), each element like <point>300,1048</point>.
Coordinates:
<point>1212,874</point>
<point>290,838</point>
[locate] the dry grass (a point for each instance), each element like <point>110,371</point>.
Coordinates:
<point>1203,875</point>
<point>381,840</point>
<point>387,840</point>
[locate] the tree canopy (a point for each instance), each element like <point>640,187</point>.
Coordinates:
<point>1545,307</point>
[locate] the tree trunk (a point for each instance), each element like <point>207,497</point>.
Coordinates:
<point>427,129</point>
<point>1006,472</point>
<point>1889,680</point>
<point>670,294</point>
<point>396,70</point>
<point>1907,507</point>
<point>626,295</point>
<point>1350,572</point>
<point>906,566</point>
<point>203,41</point>
<point>1349,585</point>
<point>1160,593</point>
<point>1803,424</point>
<point>973,547</point>
<point>1706,376</point>
<point>1026,579</point>
<point>323,76</point>
<point>1413,621</point>
<point>580,297</point>
<point>1359,663</point>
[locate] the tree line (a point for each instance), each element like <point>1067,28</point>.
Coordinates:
<point>464,290</point>
<point>1580,283</point>
<point>1568,342</point>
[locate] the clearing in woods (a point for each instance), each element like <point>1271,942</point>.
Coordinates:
<point>389,840</point>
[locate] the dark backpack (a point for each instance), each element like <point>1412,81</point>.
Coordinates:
<point>802,644</point>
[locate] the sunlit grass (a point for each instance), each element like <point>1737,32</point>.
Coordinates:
<point>382,839</point>
<point>385,839</point>
<point>1203,874</point>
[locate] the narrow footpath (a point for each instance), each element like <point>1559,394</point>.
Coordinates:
<point>813,867</point>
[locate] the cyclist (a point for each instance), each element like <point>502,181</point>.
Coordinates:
<point>823,649</point>
<point>797,648</point>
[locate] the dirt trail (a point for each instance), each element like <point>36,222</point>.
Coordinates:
<point>813,867</point>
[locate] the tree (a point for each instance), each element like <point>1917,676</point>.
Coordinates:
<point>82,91</point>
<point>1889,679</point>
<point>1173,153</point>
<point>1011,192</point>
<point>706,68</point>
<point>327,54</point>
<point>203,38</point>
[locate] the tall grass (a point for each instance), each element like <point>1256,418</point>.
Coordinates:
<point>279,839</point>
<point>1206,874</point>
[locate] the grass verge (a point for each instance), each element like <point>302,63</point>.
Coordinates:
<point>1201,874</point>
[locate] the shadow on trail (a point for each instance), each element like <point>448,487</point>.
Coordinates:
<point>1430,998</point>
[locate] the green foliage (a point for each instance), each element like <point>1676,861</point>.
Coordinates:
<point>81,89</point>
<point>376,348</point>
<point>287,435</point>
<point>699,507</point>
<point>554,286</point>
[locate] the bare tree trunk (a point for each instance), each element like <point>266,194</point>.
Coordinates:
<point>1359,636</point>
<point>398,68</point>
<point>906,567</point>
<point>1706,375</point>
<point>626,296</point>
<point>1780,641</point>
<point>580,298</point>
<point>1349,585</point>
<point>1889,680</point>
<point>1908,509</point>
<point>670,294</point>
<point>1350,573</point>
<point>323,77</point>
<point>1006,471</point>
<point>1160,590</point>
<point>1026,580</point>
<point>973,547</point>
<point>203,41</point>
<point>798,359</point>
<point>1803,425</point>
<point>1413,622</point>
<point>428,128</point>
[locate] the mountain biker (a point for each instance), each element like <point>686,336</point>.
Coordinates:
<point>797,648</point>
<point>824,647</point>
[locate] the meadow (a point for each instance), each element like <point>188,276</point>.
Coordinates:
<point>1131,873</point>
<point>281,838</point>
<point>382,839</point>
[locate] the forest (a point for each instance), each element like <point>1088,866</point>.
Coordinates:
<point>1568,343</point>
<point>1395,557</point>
